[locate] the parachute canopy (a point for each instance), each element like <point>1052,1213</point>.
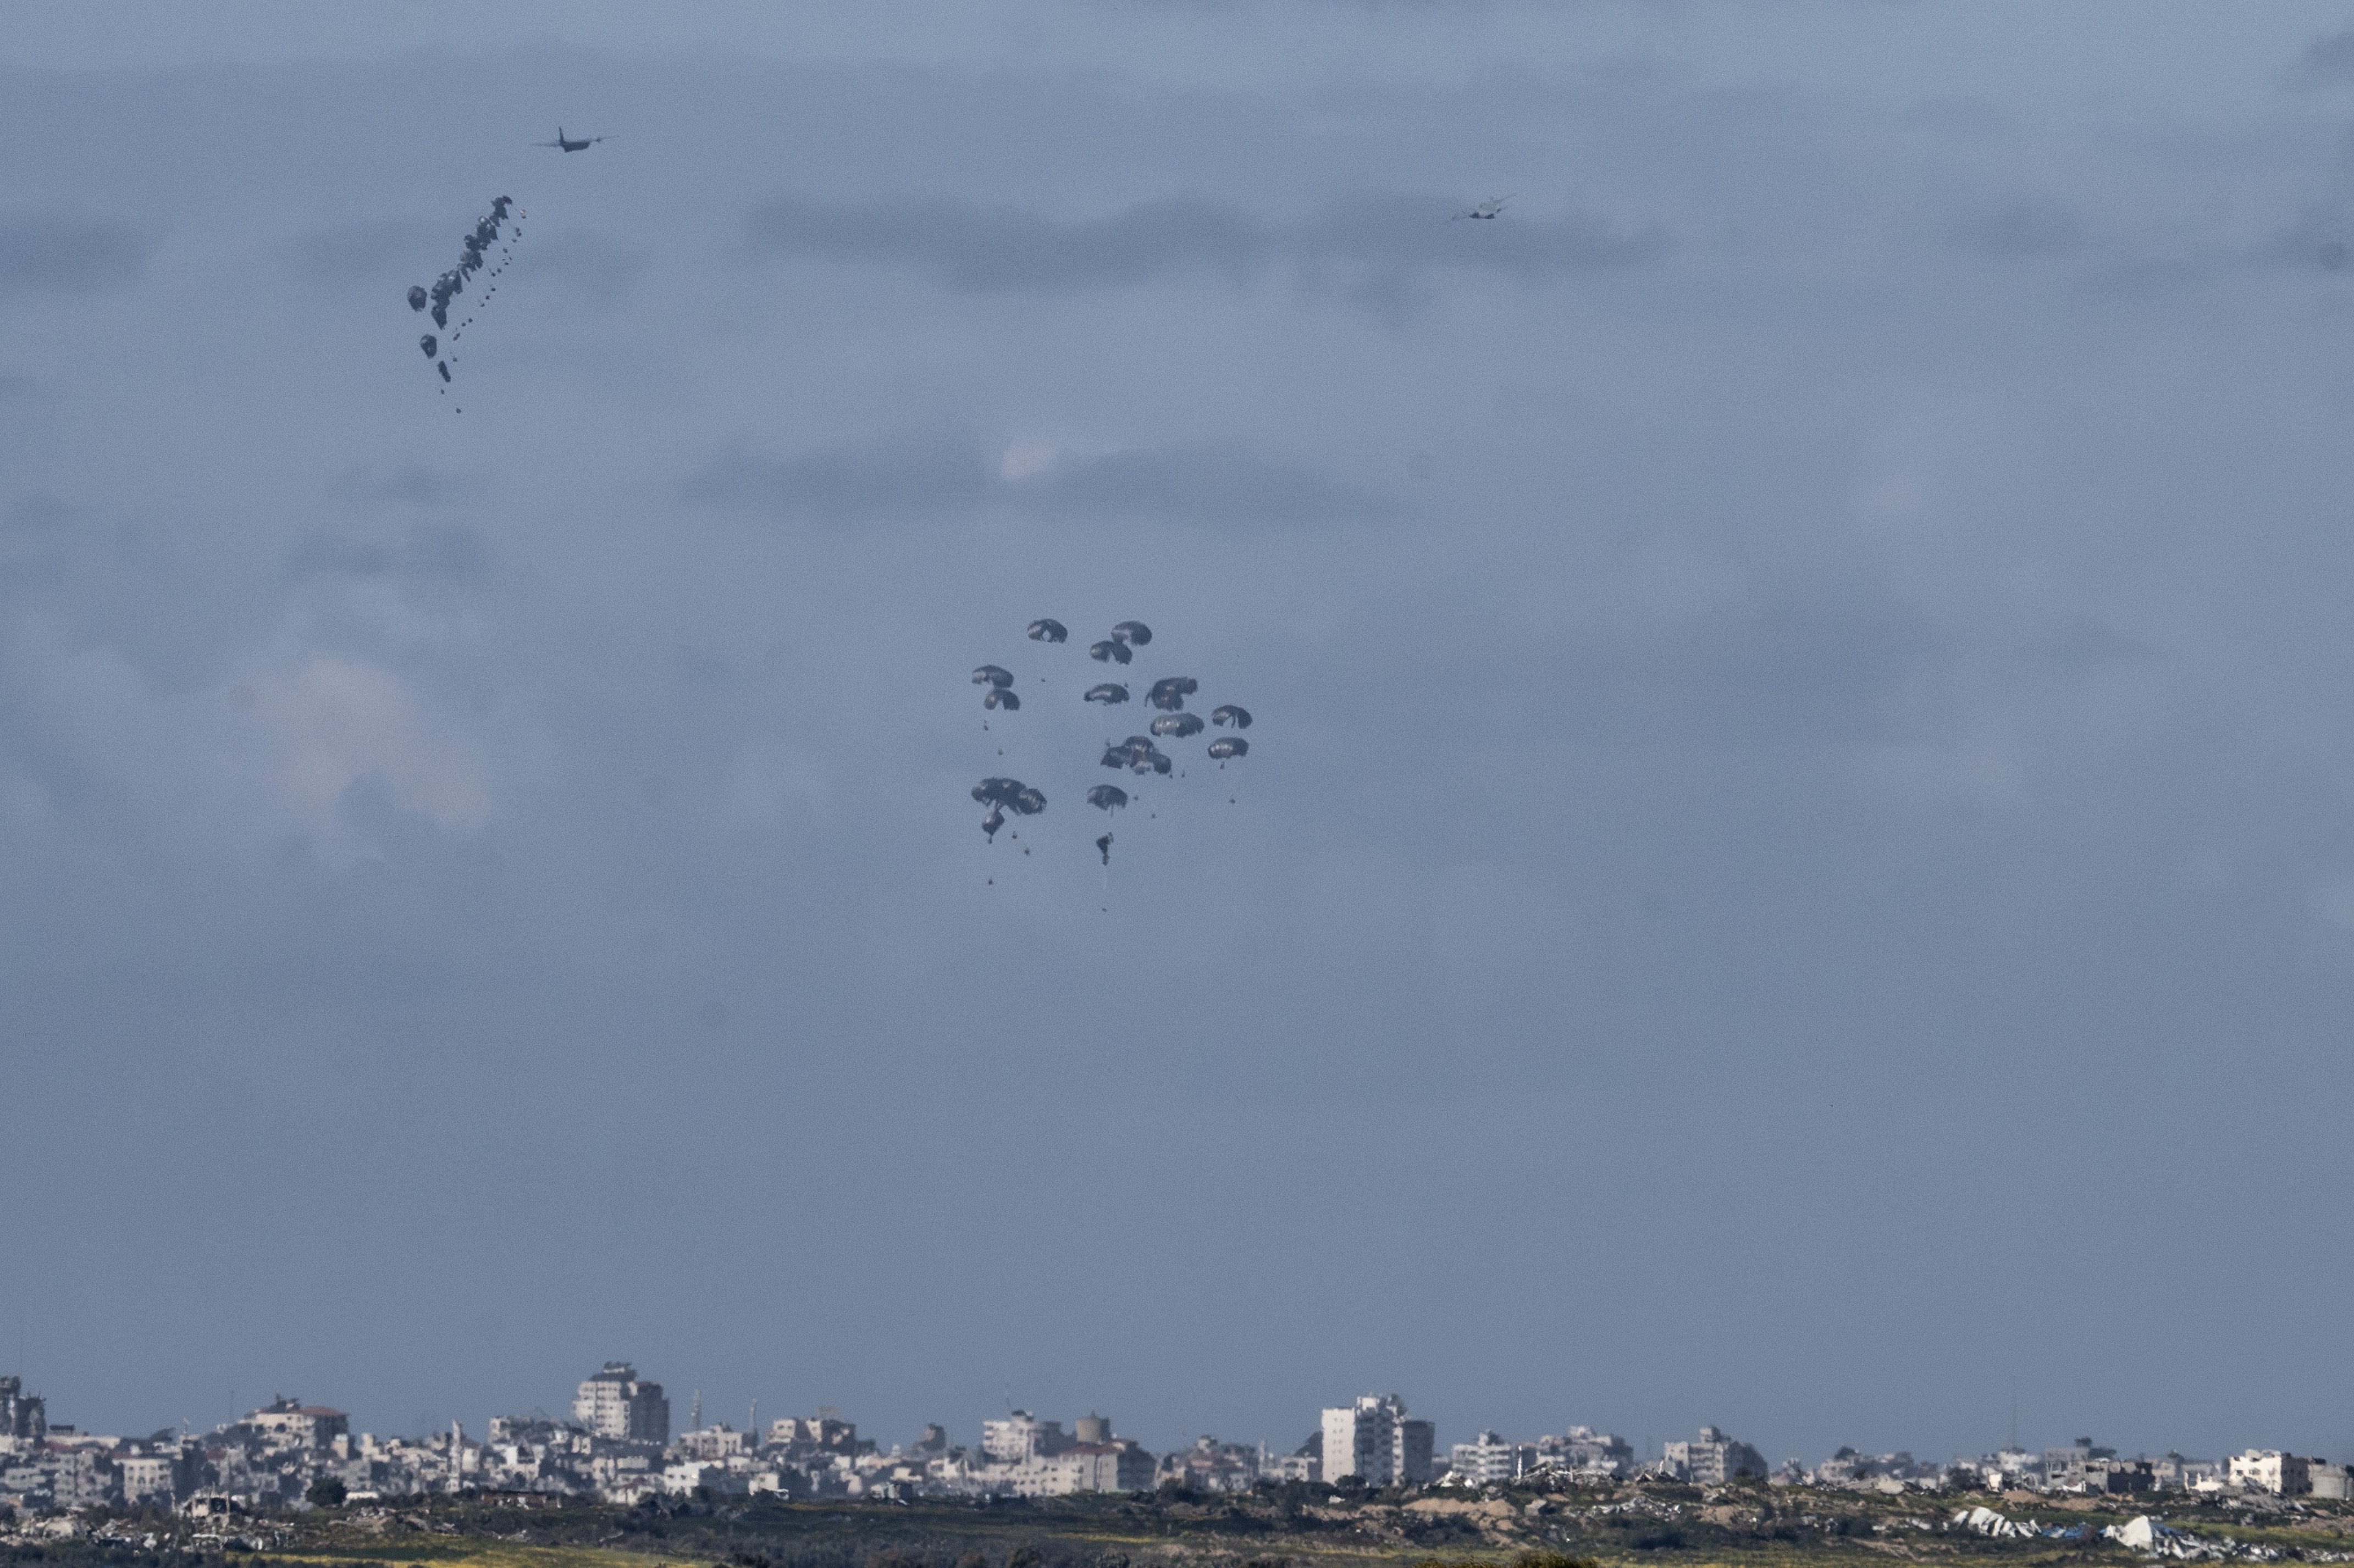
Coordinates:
<point>1012,794</point>
<point>1000,697</point>
<point>1228,714</point>
<point>1168,693</point>
<point>472,258</point>
<point>429,344</point>
<point>1108,651</point>
<point>1047,630</point>
<point>1137,755</point>
<point>1107,796</point>
<point>991,676</point>
<point>1134,631</point>
<point>1179,724</point>
<point>1227,746</point>
<point>1107,693</point>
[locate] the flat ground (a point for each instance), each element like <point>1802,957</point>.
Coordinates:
<point>1657,1526</point>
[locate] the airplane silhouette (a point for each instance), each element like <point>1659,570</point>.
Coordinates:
<point>1485,209</point>
<point>561,145</point>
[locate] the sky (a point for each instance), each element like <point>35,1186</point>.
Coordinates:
<point>1797,865</point>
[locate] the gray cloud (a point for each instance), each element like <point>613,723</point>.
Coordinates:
<point>410,483</point>
<point>427,550</point>
<point>379,247</point>
<point>923,473</point>
<point>2326,62</point>
<point>39,513</point>
<point>2022,228</point>
<point>968,247</point>
<point>66,253</point>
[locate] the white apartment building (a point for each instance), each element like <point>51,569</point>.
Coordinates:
<point>1116,1466</point>
<point>1373,1441</point>
<point>1488,1459</point>
<point>615,1404</point>
<point>304,1426</point>
<point>145,1476</point>
<point>1022,1436</point>
<point>717,1443</point>
<point>2270,1470</point>
<point>1583,1451</point>
<point>1712,1461</point>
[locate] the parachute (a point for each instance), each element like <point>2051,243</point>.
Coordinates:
<point>430,346</point>
<point>473,257</point>
<point>1168,693</point>
<point>1002,795</point>
<point>1137,755</point>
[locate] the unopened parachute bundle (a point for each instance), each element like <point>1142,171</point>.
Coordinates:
<point>475,257</point>
<point>1140,755</point>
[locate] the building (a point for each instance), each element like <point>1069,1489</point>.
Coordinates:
<point>1022,1436</point>
<point>2333,1482</point>
<point>615,1404</point>
<point>2270,1470</point>
<point>717,1443</point>
<point>2115,1475</point>
<point>1373,1440</point>
<point>1305,1463</point>
<point>1210,1466</point>
<point>1114,1466</point>
<point>1713,1461</point>
<point>145,1478</point>
<point>1582,1451</point>
<point>2063,1468</point>
<point>22,1414</point>
<point>825,1431</point>
<point>1489,1460</point>
<point>300,1425</point>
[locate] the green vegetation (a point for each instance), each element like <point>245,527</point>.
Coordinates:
<point>1626,1525</point>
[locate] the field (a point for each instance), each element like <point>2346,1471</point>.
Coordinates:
<point>1659,1526</point>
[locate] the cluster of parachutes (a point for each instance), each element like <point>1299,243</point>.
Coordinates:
<point>475,258</point>
<point>1003,795</point>
<point>1139,755</point>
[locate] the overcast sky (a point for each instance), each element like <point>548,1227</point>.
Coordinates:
<point>1797,869</point>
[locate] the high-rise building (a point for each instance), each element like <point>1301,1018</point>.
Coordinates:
<point>615,1404</point>
<point>22,1414</point>
<point>1373,1441</point>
